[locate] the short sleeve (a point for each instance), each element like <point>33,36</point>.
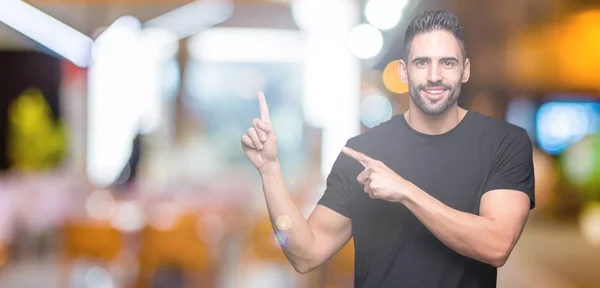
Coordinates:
<point>513,166</point>
<point>337,192</point>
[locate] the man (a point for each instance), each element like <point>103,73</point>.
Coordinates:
<point>435,197</point>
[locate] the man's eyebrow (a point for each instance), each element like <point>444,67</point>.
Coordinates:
<point>426,59</point>
<point>449,59</point>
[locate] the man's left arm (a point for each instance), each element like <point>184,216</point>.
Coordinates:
<point>488,237</point>
<point>504,207</point>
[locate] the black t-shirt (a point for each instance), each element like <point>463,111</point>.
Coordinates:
<point>392,247</point>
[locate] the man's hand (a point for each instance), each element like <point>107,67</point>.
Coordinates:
<point>260,143</point>
<point>380,181</point>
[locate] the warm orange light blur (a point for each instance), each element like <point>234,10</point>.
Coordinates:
<point>577,50</point>
<point>391,79</point>
<point>563,55</point>
<point>546,176</point>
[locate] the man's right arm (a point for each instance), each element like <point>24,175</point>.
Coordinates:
<point>309,242</point>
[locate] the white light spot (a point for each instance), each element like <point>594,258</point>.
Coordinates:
<point>384,14</point>
<point>100,205</point>
<point>128,218</point>
<point>283,222</point>
<point>365,41</point>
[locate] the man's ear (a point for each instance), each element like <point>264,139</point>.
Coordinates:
<point>402,72</point>
<point>467,71</point>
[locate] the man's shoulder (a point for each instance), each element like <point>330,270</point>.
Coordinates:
<point>370,138</point>
<point>495,127</point>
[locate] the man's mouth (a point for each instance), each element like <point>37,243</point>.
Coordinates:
<point>435,93</point>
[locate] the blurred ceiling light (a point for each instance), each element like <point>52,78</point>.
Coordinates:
<point>158,43</point>
<point>384,14</point>
<point>114,112</point>
<point>192,18</point>
<point>391,78</point>
<point>322,16</point>
<point>365,41</point>
<point>374,110</point>
<point>330,70</point>
<point>46,30</point>
<point>247,45</point>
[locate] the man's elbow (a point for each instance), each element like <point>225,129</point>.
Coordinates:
<point>499,257</point>
<point>498,261</point>
<point>303,268</point>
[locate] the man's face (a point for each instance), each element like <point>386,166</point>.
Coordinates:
<point>434,71</point>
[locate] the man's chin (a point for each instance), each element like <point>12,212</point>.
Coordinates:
<point>435,108</point>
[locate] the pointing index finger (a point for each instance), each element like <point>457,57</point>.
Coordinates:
<point>360,157</point>
<point>264,108</point>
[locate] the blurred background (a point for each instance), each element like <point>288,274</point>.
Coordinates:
<point>120,123</point>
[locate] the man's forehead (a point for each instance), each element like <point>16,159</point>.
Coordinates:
<point>435,45</point>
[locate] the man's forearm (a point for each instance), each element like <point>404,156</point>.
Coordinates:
<point>470,235</point>
<point>282,210</point>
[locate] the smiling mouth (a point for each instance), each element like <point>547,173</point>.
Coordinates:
<point>435,93</point>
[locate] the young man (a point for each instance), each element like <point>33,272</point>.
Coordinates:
<point>435,197</point>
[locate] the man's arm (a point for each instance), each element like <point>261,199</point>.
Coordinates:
<point>489,237</point>
<point>309,243</point>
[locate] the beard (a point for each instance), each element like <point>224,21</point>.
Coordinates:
<point>434,108</point>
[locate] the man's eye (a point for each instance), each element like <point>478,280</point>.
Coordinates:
<point>420,63</point>
<point>448,63</point>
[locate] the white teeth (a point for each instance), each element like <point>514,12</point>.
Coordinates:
<point>435,91</point>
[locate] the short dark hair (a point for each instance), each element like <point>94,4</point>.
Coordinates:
<point>431,21</point>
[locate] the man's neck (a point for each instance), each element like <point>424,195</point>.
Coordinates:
<point>434,124</point>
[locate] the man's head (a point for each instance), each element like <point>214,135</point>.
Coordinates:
<point>435,62</point>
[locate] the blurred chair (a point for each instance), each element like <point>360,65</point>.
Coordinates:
<point>95,241</point>
<point>178,249</point>
<point>339,270</point>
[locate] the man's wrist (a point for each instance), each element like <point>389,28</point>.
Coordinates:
<point>408,193</point>
<point>270,169</point>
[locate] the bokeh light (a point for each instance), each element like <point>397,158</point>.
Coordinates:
<point>375,109</point>
<point>589,223</point>
<point>128,218</point>
<point>164,216</point>
<point>559,124</point>
<point>365,41</point>
<point>283,222</point>
<point>581,164</point>
<point>100,205</point>
<point>97,277</point>
<point>391,78</point>
<point>384,14</point>
<point>281,239</point>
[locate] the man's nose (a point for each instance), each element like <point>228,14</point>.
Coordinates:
<point>434,74</point>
